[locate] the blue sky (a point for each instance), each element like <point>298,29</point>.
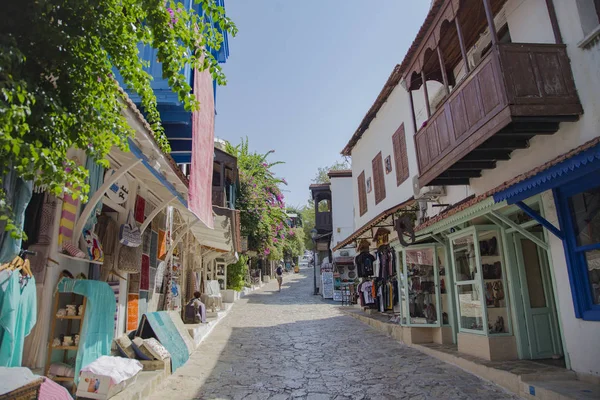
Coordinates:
<point>303,73</point>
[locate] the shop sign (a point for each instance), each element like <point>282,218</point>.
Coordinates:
<point>244,243</point>
<point>119,190</point>
<point>322,246</point>
<point>383,239</point>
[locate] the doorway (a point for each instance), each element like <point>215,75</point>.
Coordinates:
<point>541,323</point>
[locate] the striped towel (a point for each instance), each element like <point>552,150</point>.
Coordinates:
<point>67,219</point>
<point>50,390</point>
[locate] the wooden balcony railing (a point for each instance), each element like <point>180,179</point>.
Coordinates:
<point>517,91</point>
<point>323,221</point>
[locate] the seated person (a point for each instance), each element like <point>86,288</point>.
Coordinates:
<point>195,310</point>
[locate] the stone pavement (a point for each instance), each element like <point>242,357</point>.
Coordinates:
<point>293,345</point>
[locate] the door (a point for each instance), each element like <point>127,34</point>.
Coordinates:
<point>538,299</point>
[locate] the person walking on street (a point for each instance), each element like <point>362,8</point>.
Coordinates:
<point>279,273</point>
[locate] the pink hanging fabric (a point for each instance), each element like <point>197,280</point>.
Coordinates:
<point>203,135</point>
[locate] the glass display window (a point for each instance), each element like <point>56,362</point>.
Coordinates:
<point>479,273</point>
<point>444,284</point>
<point>421,294</point>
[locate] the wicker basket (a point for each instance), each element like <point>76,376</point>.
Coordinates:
<point>27,392</point>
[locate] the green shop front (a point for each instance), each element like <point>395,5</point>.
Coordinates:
<point>480,278</point>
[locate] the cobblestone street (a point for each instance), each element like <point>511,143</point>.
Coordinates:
<point>294,345</point>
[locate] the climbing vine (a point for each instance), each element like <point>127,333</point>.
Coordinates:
<point>57,88</point>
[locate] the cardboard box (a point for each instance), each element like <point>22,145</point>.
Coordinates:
<point>92,386</point>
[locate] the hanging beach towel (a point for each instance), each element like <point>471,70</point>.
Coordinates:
<point>130,234</point>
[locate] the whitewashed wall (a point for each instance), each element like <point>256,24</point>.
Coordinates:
<point>342,208</point>
<point>379,138</point>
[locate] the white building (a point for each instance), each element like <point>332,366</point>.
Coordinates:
<point>504,158</point>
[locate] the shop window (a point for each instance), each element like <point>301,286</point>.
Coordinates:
<point>421,297</point>
<point>579,205</point>
<point>480,281</point>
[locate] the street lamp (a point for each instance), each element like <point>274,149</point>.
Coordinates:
<point>313,235</point>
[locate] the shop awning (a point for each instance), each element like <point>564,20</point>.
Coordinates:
<point>374,223</point>
<point>578,162</point>
<point>163,179</point>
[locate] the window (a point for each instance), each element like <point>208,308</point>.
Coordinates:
<point>579,205</point>
<point>589,14</point>
<point>400,158</point>
<point>378,178</point>
<point>362,194</point>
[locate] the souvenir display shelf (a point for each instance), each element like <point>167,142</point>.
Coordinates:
<point>480,276</point>
<point>58,330</point>
<point>420,294</point>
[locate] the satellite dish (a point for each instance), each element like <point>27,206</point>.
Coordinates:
<point>404,229</point>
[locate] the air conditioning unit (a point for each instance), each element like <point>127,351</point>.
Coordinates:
<point>426,192</point>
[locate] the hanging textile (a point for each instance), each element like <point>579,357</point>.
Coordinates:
<point>33,219</point>
<point>96,179</point>
<point>114,285</point>
<point>67,219</point>
<point>36,341</point>
<point>98,322</point>
<point>107,230</point>
<point>10,247</point>
<point>18,315</point>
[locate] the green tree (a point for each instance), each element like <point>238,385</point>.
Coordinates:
<point>322,177</point>
<point>236,273</point>
<point>57,89</point>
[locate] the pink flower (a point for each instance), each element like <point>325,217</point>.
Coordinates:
<point>267,251</point>
<point>275,240</point>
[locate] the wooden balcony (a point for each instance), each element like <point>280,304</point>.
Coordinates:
<point>517,91</point>
<point>218,196</point>
<point>323,221</point>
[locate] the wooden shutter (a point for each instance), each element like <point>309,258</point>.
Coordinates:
<point>378,178</point>
<point>362,194</point>
<point>400,157</point>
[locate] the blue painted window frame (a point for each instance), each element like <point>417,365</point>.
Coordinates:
<point>576,263</point>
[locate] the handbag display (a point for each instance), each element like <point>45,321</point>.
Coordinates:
<point>129,234</point>
<point>130,259</point>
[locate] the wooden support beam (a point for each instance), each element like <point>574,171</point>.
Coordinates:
<point>155,212</point>
<point>412,110</point>
<point>543,221</point>
<point>461,42</point>
<point>490,21</point>
<point>486,155</point>
<point>473,165</point>
<point>96,197</point>
<point>459,174</point>
<point>443,69</point>
<point>554,21</point>
<point>519,229</point>
<point>504,144</point>
<point>426,94</point>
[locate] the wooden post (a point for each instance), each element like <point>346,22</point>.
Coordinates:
<point>412,110</point>
<point>461,41</point>
<point>443,68</point>
<point>490,20</point>
<point>554,22</point>
<point>426,94</point>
